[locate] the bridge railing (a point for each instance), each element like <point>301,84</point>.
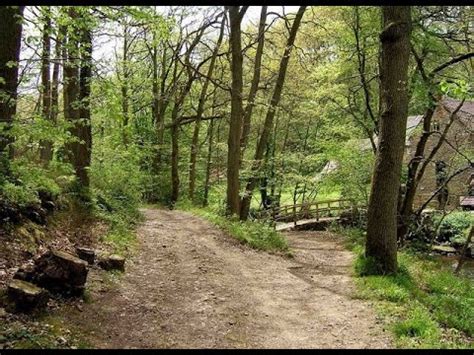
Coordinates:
<point>309,210</point>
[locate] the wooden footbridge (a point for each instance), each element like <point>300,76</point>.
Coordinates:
<point>290,216</point>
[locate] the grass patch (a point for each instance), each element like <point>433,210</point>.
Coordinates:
<point>257,235</point>
<point>121,237</point>
<point>426,305</point>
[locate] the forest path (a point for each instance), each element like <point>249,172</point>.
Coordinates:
<point>192,286</point>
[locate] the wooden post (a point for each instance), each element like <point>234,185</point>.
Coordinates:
<point>294,215</point>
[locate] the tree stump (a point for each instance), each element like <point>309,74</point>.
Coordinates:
<point>25,273</point>
<point>27,296</point>
<point>113,262</point>
<point>60,272</point>
<point>86,254</point>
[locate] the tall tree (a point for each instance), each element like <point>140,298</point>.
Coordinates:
<point>255,82</point>
<point>268,124</point>
<point>46,146</point>
<point>55,78</point>
<point>207,179</point>
<point>381,244</point>
<point>10,42</point>
<point>235,127</point>
<point>200,111</point>
<point>77,76</point>
<point>84,125</point>
<point>125,77</point>
<point>178,103</point>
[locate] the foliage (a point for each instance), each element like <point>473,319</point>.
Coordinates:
<point>28,180</point>
<point>257,235</point>
<point>454,225</point>
<point>426,305</point>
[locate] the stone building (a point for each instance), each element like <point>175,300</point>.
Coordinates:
<point>453,155</point>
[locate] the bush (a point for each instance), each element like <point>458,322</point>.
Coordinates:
<point>21,196</point>
<point>454,225</point>
<point>117,183</point>
<point>28,182</point>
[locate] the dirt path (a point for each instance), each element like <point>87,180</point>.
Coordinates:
<point>192,286</point>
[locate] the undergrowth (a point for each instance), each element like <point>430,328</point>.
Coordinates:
<point>121,236</point>
<point>426,305</point>
<point>255,234</point>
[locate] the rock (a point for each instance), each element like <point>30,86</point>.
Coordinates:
<point>86,254</point>
<point>3,313</point>
<point>60,272</point>
<point>113,262</point>
<point>27,296</point>
<point>36,215</point>
<point>25,273</point>
<point>443,249</point>
<point>48,205</point>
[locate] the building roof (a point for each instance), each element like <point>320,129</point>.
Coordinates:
<point>412,123</point>
<point>466,109</point>
<point>465,201</point>
<point>465,114</point>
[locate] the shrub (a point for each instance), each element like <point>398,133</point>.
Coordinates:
<point>28,182</point>
<point>21,196</point>
<point>454,225</point>
<point>117,183</point>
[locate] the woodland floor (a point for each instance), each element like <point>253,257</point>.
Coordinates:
<point>191,286</point>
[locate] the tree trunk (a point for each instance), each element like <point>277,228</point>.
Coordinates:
<point>10,42</point>
<point>125,85</point>
<point>235,127</point>
<point>55,79</point>
<point>267,127</point>
<point>175,119</point>
<point>208,165</point>
<point>71,86</point>
<point>161,105</point>
<point>46,151</point>
<point>174,157</point>
<point>406,209</point>
<point>155,108</point>
<point>381,244</point>
<point>255,81</point>
<point>85,130</point>
<point>76,97</point>
<point>199,113</point>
